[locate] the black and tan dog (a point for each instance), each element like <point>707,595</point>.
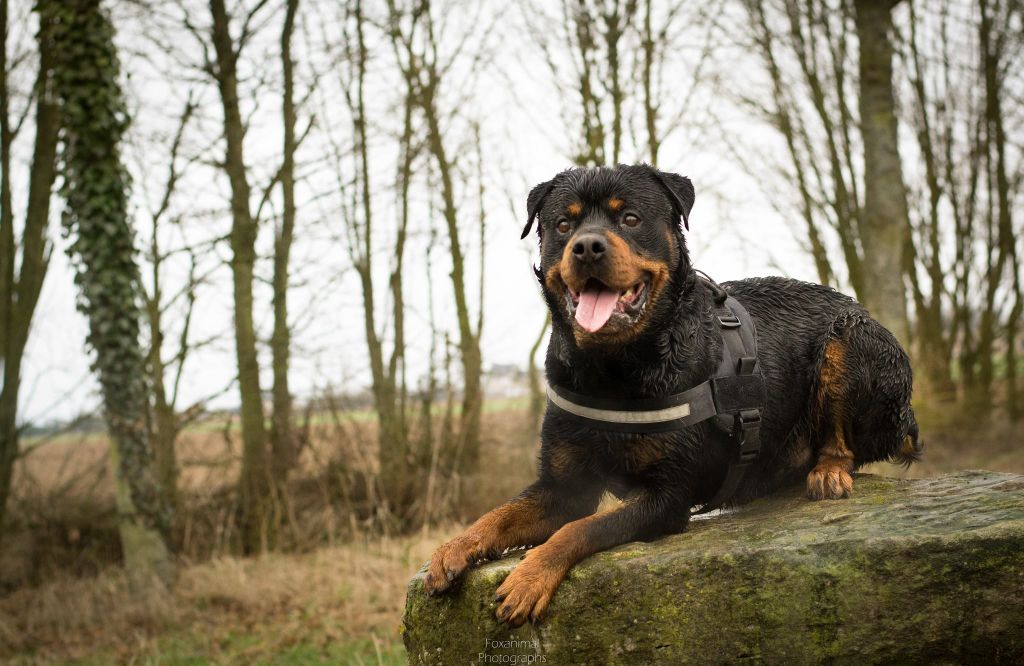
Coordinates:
<point>632,320</point>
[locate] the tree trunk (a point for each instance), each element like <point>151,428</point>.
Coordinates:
<point>885,219</point>
<point>256,499</point>
<point>991,54</point>
<point>282,436</point>
<point>469,342</point>
<point>96,216</point>
<point>1013,402</point>
<point>146,558</point>
<point>19,292</point>
<point>533,373</point>
<point>647,47</point>
<point>164,426</point>
<point>613,23</point>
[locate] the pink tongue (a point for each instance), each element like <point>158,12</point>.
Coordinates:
<point>595,307</point>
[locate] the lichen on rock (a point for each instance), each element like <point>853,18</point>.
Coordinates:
<point>906,571</point>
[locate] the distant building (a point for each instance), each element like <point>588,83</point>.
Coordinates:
<point>505,380</point>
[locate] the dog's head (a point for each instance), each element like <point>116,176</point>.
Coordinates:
<point>610,241</point>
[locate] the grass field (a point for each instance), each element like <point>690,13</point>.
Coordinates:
<point>338,603</point>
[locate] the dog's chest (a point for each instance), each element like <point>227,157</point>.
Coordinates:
<point>631,456</point>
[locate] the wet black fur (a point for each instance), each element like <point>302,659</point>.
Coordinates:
<point>680,348</point>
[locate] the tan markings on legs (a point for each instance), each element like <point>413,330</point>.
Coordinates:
<point>528,590</point>
<point>516,523</point>
<point>830,478</point>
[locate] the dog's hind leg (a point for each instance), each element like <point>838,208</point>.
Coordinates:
<point>831,476</point>
<point>861,411</point>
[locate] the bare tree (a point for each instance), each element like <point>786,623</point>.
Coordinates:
<point>94,119</point>
<point>885,221</point>
<point>966,280</point>
<point>593,35</point>
<point>256,490</point>
<point>999,215</point>
<point>806,52</point>
<point>282,435</point>
<point>362,225</point>
<point>617,61</point>
<point>165,374</point>
<point>414,32</point>
<point>23,264</point>
<point>956,269</point>
<point>429,97</point>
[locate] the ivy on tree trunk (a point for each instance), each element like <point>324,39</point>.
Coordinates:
<point>102,247</point>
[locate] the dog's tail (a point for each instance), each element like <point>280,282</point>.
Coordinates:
<point>912,448</point>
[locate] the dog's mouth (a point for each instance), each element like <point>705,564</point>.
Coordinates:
<point>597,304</point>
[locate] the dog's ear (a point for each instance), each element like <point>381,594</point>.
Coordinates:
<point>534,201</point>
<point>680,191</point>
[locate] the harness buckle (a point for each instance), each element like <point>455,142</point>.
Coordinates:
<point>747,430</point>
<point>746,365</point>
<point>728,319</point>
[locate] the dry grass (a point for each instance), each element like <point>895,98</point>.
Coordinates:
<point>336,602</point>
<point>340,602</point>
<point>61,514</point>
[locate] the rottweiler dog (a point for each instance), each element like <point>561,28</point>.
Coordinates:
<point>632,319</point>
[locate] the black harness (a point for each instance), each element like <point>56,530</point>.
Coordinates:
<point>734,397</point>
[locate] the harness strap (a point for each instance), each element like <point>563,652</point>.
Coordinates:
<point>739,398</point>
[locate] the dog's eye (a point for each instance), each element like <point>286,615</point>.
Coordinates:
<point>630,220</point>
<point>563,226</point>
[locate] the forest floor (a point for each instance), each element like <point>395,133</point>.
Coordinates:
<point>339,603</point>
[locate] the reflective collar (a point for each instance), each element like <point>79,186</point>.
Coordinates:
<point>650,415</point>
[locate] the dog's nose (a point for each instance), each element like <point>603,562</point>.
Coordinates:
<point>588,248</point>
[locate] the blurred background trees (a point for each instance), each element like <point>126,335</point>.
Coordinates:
<point>955,282</point>
<point>321,201</point>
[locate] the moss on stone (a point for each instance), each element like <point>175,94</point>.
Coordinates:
<point>919,571</point>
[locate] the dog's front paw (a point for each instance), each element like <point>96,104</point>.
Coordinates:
<point>448,562</point>
<point>528,590</point>
<point>829,482</point>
